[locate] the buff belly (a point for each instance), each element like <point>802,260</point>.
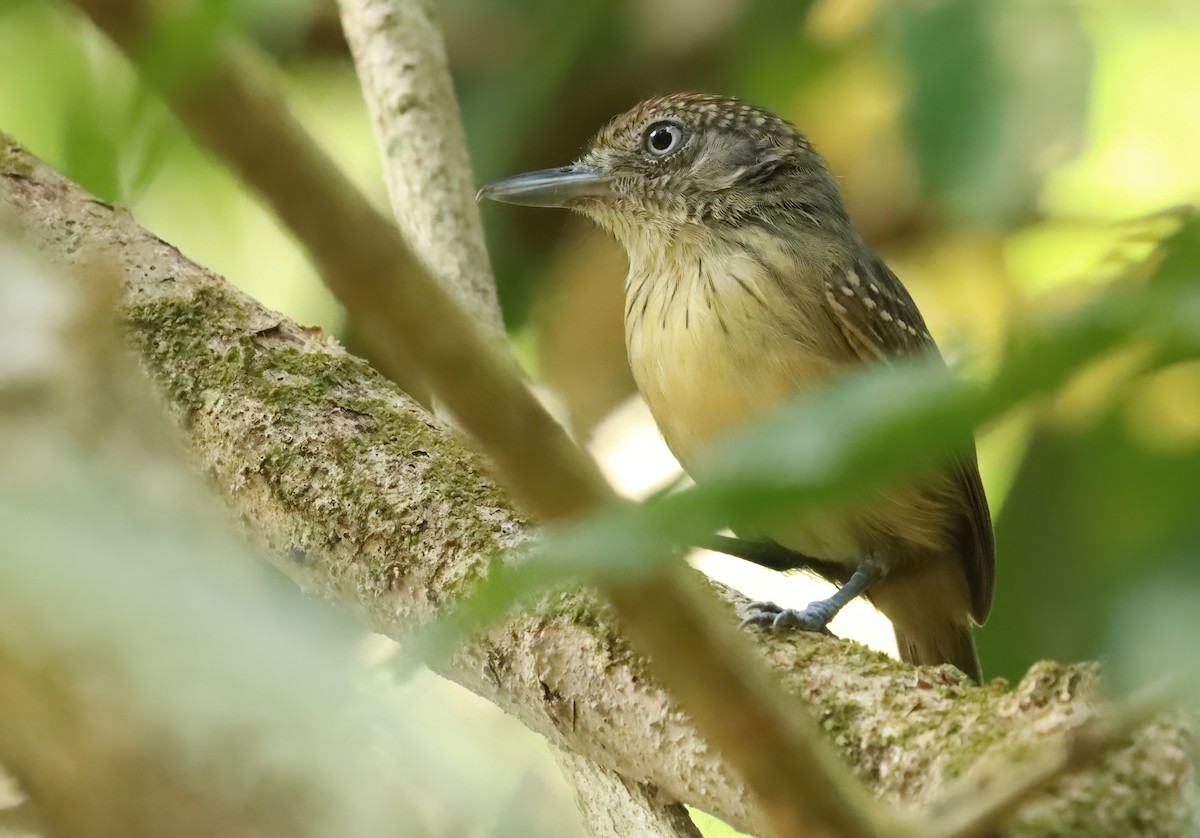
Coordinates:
<point>708,360</point>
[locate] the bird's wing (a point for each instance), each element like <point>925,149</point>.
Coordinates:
<point>880,321</point>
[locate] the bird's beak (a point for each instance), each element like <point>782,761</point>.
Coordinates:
<point>549,187</point>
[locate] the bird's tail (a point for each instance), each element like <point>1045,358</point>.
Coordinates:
<point>947,642</point>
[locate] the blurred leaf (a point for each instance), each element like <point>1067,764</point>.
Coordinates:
<point>997,95</point>
<point>156,137</point>
<point>186,33</point>
<point>1097,508</point>
<point>1180,265</point>
<point>14,5</point>
<point>91,151</point>
<point>768,55</point>
<point>957,98</point>
<point>281,26</point>
<point>1155,626</point>
<point>116,137</point>
<point>1093,513</point>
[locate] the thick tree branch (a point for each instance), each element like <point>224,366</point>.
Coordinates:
<point>982,804</point>
<point>384,509</point>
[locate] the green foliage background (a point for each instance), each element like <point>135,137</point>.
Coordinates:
<point>1013,161</point>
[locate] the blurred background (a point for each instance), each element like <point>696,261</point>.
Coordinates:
<point>1007,159</point>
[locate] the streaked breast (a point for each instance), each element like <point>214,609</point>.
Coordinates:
<point>717,342</point>
<point>714,342</point>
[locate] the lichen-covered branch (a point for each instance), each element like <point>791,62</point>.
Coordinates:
<point>369,501</point>
<point>983,802</point>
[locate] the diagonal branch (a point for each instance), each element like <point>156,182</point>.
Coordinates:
<point>368,501</point>
<point>228,106</point>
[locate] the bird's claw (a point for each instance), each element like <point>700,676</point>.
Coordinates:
<point>815,617</point>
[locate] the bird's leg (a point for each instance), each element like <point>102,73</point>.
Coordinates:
<point>763,553</point>
<point>816,615</point>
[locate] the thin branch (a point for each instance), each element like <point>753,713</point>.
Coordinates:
<point>226,105</point>
<point>984,802</point>
<point>400,56</point>
<point>366,500</point>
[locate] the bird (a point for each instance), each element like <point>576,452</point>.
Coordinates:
<point>749,285</point>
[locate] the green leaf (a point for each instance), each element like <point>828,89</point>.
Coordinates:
<point>957,97</point>
<point>1094,512</point>
<point>1180,255</point>
<point>997,95</point>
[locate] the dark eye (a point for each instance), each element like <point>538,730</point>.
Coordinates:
<point>662,138</point>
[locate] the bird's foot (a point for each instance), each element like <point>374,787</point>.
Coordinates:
<point>814,617</point>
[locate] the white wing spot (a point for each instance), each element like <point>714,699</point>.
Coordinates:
<point>847,291</point>
<point>869,303</point>
<point>854,280</point>
<point>886,316</point>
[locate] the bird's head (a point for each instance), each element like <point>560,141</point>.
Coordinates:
<point>687,159</point>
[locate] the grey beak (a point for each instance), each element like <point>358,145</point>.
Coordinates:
<point>548,188</point>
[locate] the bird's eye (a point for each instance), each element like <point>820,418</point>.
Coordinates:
<point>662,138</point>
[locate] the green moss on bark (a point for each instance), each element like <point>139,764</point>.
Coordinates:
<point>197,348</point>
<point>14,160</point>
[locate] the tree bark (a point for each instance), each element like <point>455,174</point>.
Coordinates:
<point>366,499</point>
<point>401,60</point>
